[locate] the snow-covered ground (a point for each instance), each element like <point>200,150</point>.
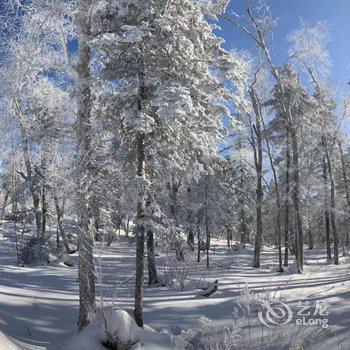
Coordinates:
<point>39,304</point>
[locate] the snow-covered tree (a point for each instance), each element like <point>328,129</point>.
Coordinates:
<point>162,112</point>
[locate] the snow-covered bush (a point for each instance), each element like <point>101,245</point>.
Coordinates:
<point>208,337</point>
<point>280,336</point>
<point>245,332</point>
<point>175,271</point>
<point>32,250</point>
<point>182,272</point>
<point>119,329</point>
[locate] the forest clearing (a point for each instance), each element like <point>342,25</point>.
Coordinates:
<point>51,294</point>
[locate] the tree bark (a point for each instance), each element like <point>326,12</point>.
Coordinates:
<point>228,237</point>
<point>151,259</point>
<point>259,172</point>
<point>190,234</point>
<point>190,238</point>
<point>346,186</point>
<point>333,207</point>
<point>127,226</point>
<point>296,203</point>
<point>33,185</point>
<point>86,270</point>
<point>207,230</point>
<point>43,210</point>
<point>278,201</point>
<point>286,201</point>
<point>173,187</point>
<point>311,240</point>
<point>326,211</point>
<point>37,213</point>
<point>244,236</point>
<point>198,239</point>
<point>140,235</point>
<point>143,204</point>
<point>60,227</point>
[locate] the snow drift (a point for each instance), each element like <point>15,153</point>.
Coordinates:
<point>119,326</point>
<point>6,343</point>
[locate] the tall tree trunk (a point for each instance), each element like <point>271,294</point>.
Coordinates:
<point>60,226</point>
<point>37,213</point>
<point>207,230</point>
<point>143,204</point>
<point>140,234</point>
<point>33,185</point>
<point>42,174</point>
<point>30,178</point>
<point>228,237</point>
<point>14,201</point>
<point>190,238</point>
<point>296,202</point>
<point>127,226</point>
<point>244,236</point>
<point>292,230</point>
<point>326,211</point>
<point>347,192</point>
<point>43,210</point>
<point>259,227</point>
<point>173,187</point>
<point>151,259</point>
<point>259,172</point>
<point>190,234</point>
<point>207,242</point>
<point>57,238</point>
<point>198,238</point>
<point>286,201</point>
<point>86,272</point>
<point>333,207</point>
<point>96,215</point>
<point>278,201</point>
<point>311,240</point>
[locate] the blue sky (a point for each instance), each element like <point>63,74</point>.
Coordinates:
<point>289,12</point>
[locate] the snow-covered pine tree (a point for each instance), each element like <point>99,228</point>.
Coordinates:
<point>163,69</point>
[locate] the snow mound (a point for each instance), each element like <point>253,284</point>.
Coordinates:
<point>118,324</point>
<point>6,343</point>
<point>210,290</point>
<point>292,269</point>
